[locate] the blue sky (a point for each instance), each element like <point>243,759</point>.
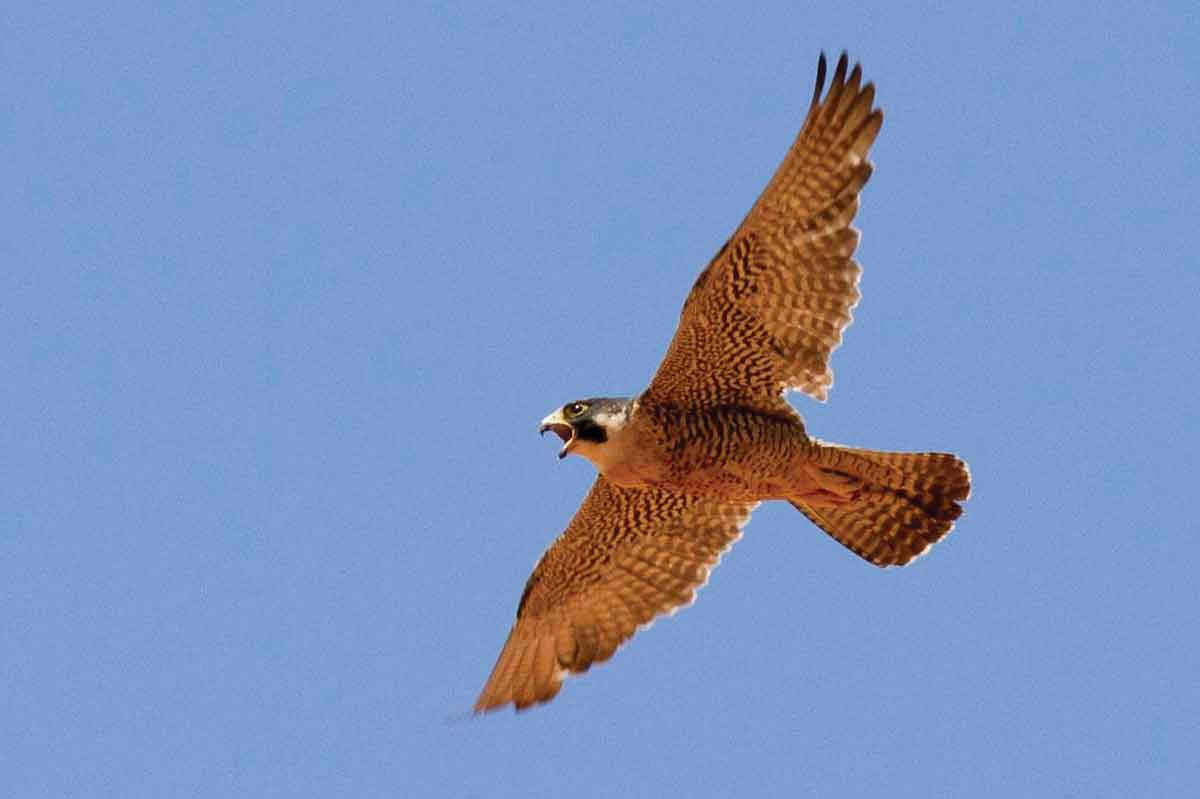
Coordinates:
<point>286,290</point>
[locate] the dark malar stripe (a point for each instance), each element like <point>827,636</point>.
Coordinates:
<point>588,430</point>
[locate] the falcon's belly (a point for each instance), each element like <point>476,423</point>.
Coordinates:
<point>731,453</point>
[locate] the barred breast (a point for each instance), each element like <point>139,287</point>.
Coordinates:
<point>728,453</point>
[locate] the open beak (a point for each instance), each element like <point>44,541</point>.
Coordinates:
<point>555,422</point>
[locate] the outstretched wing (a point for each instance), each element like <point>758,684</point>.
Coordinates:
<point>629,555</point>
<point>771,306</point>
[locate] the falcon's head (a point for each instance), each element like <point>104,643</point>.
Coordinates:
<point>586,425</point>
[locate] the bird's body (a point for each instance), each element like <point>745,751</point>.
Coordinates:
<point>682,465</point>
<point>729,453</point>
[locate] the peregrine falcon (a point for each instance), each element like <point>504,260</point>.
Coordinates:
<point>683,464</point>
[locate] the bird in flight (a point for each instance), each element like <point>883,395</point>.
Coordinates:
<point>683,464</point>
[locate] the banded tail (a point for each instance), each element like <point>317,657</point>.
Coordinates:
<point>900,503</point>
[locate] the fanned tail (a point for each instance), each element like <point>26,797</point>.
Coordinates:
<point>900,505</point>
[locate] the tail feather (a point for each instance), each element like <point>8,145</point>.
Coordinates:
<point>905,502</point>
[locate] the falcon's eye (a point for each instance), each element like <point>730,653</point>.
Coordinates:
<point>576,408</point>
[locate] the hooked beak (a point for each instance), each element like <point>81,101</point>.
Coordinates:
<point>558,425</point>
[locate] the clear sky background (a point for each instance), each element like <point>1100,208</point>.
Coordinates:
<point>285,291</point>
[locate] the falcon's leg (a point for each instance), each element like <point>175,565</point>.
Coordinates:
<point>825,488</point>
